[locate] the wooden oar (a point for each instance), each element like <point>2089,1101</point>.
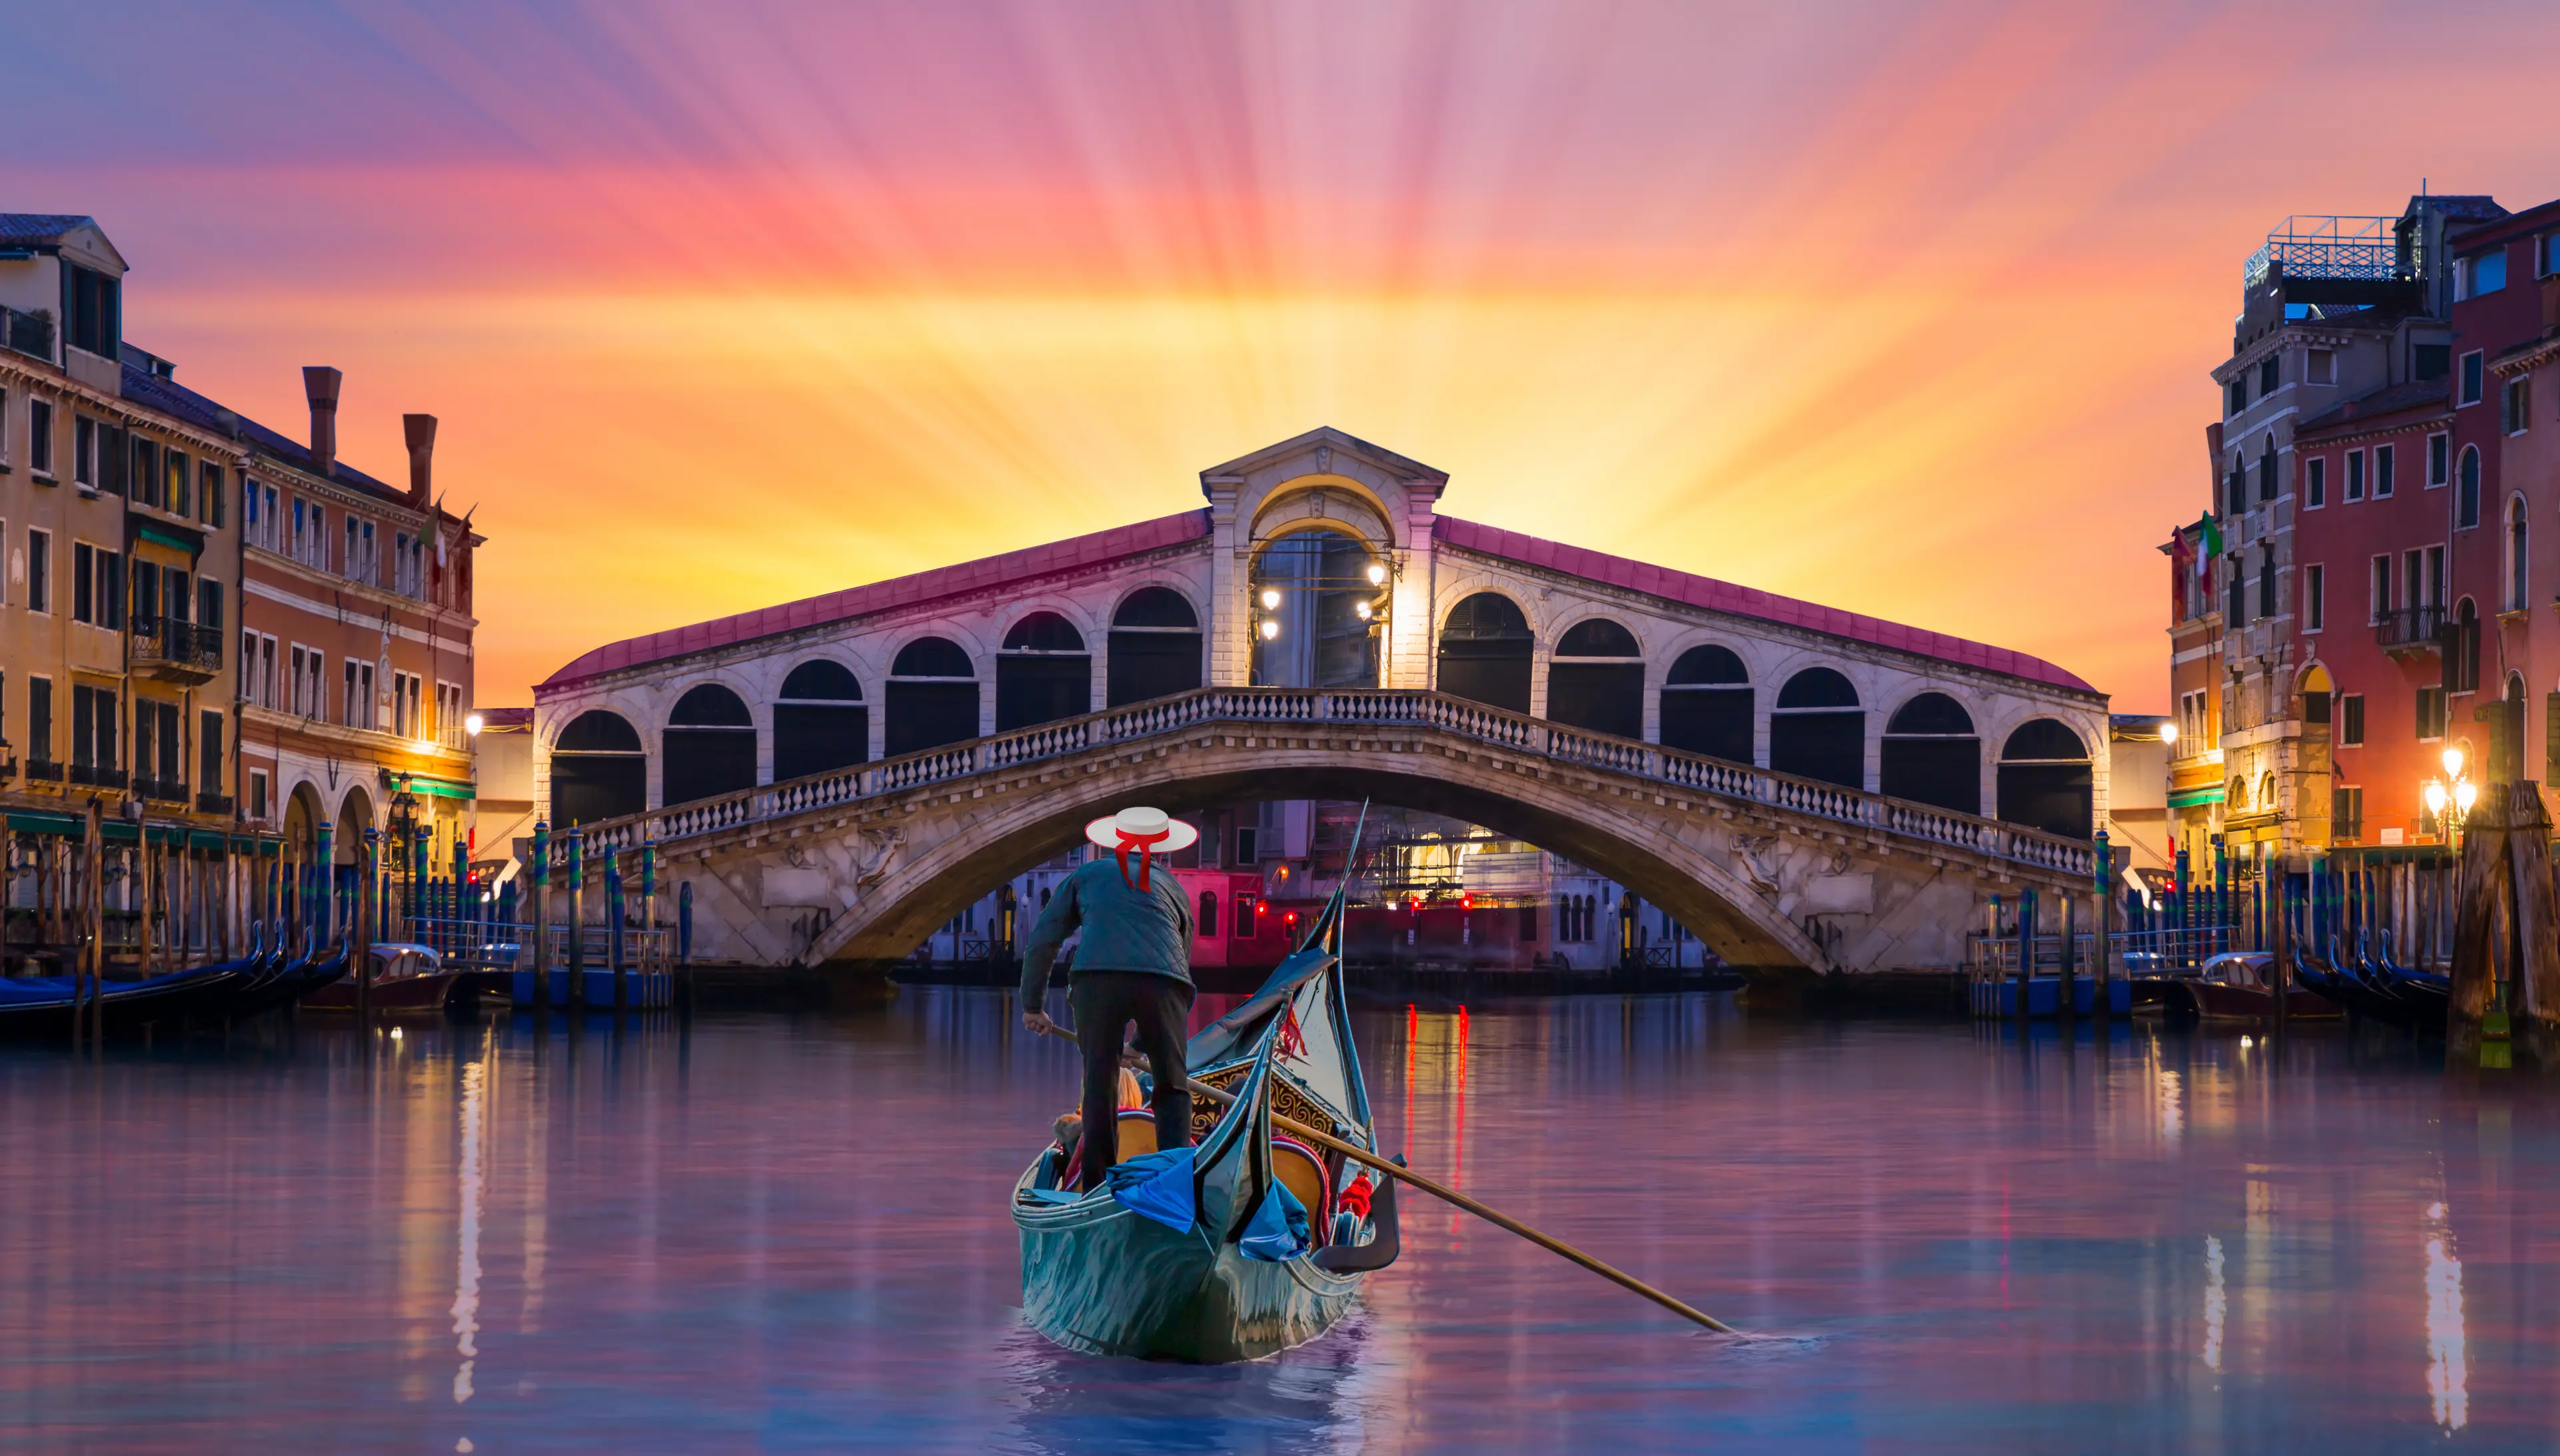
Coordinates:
<point>1451,1195</point>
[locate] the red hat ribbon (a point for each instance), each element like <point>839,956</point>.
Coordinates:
<point>1145,845</point>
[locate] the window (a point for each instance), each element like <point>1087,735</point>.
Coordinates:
<point>1245,923</point>
<point>2266,581</point>
<point>2356,475</point>
<point>95,302</point>
<point>209,608</point>
<point>2385,470</point>
<point>406,718</point>
<point>2350,719</point>
<point>2430,360</point>
<point>146,472</point>
<point>2239,481</point>
<point>2320,366</point>
<point>85,452</point>
<point>2467,490</point>
<point>2346,814</point>
<point>448,716</point>
<point>4,426</point>
<point>39,438</point>
<point>2515,399</point>
<point>176,469</point>
<point>2267,471</point>
<point>209,753</point>
<point>259,683</point>
<point>2239,594</point>
<point>2315,484</point>
<point>2438,451</point>
<point>2546,254</point>
<point>2431,712</point>
<point>2434,576</point>
<point>40,572</point>
<point>2238,398</point>
<point>2314,607</point>
<point>1204,925</point>
<point>2470,388</point>
<point>210,495</point>
<point>40,722</point>
<point>2488,273</point>
<point>2267,375</point>
<point>83,565</point>
<point>94,715</point>
<point>2517,572</point>
<point>2381,604</point>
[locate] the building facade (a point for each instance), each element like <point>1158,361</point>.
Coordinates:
<point>203,619</point>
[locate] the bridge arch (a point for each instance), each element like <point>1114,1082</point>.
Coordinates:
<point>1487,648</point>
<point>1044,671</point>
<point>708,746</point>
<point>1932,754</point>
<point>1681,872</point>
<point>820,721</point>
<point>1595,678</point>
<point>599,770</point>
<point>1818,727</point>
<point>1708,705</point>
<point>1154,647</point>
<point>2045,778</point>
<point>931,697</point>
<point>1309,502</point>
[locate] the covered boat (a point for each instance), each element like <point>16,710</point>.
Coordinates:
<point>1243,1244</point>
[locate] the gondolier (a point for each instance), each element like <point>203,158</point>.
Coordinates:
<point>1132,966</point>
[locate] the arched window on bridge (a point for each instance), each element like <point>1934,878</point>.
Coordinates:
<point>933,696</point>
<point>1317,609</point>
<point>2044,778</point>
<point>598,770</point>
<point>1484,649</point>
<point>1818,729</point>
<point>1597,680</point>
<point>1708,704</point>
<point>711,746</point>
<point>1155,648</point>
<point>1930,755</point>
<point>1043,674</point>
<point>820,722</point>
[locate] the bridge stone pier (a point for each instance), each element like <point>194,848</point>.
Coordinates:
<point>1814,794</point>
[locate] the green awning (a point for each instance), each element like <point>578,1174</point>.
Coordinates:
<point>429,784</point>
<point>171,539</point>
<point>39,821</point>
<point>2189,798</point>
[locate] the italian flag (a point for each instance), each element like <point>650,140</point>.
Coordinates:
<point>2209,543</point>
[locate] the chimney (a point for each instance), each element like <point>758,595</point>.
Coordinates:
<point>320,384</point>
<point>420,430</point>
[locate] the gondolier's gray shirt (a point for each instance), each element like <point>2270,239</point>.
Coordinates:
<point>1123,929</point>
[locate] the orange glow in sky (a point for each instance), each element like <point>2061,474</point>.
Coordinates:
<point>1905,308</point>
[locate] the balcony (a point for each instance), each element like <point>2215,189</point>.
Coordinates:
<point>176,651</point>
<point>29,333</point>
<point>2356,249</point>
<point>97,778</point>
<point>170,791</point>
<point>41,771</point>
<point>213,804</point>
<point>2410,631</point>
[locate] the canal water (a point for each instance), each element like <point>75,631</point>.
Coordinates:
<point>789,1233</point>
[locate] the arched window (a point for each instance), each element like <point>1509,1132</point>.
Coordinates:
<point>1930,755</point>
<point>598,770</point>
<point>1708,704</point>
<point>820,722</point>
<point>1155,648</point>
<point>2267,470</point>
<point>1818,731</point>
<point>2267,794</point>
<point>1484,649</point>
<point>2466,488</point>
<point>2044,778</point>
<point>2465,669</point>
<point>1318,608</point>
<point>1206,922</point>
<point>933,696</point>
<point>1597,680</point>
<point>2518,596</point>
<point>1043,674</point>
<point>711,746</point>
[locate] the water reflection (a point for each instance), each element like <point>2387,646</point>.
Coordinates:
<point>779,1232</point>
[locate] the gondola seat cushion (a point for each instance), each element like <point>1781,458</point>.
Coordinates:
<point>1300,1167</point>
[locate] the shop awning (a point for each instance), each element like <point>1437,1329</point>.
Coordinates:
<point>2189,798</point>
<point>429,784</point>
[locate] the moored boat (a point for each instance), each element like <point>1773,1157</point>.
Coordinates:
<point>407,977</point>
<point>2234,986</point>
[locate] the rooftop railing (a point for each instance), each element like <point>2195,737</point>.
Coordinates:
<point>2329,248</point>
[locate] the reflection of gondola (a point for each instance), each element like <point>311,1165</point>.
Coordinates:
<point>1111,1274</point>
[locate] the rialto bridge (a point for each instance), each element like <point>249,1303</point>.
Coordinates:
<point>1803,787</point>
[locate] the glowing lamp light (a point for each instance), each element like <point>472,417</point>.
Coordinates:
<point>1466,901</point>
<point>2436,799</point>
<point>1377,573</point>
<point>2464,794</point>
<point>1270,598</point>
<point>473,724</point>
<point>2453,763</point>
<point>2168,733</point>
<point>1270,629</point>
<point>1364,608</point>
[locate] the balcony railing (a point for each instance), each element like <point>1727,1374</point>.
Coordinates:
<point>170,647</point>
<point>2410,629</point>
<point>2330,247</point>
<point>212,803</point>
<point>172,789</point>
<point>97,778</point>
<point>41,770</point>
<point>29,332</point>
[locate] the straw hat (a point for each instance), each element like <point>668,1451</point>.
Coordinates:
<point>1147,831</point>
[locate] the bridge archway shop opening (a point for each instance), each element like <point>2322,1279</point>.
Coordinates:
<point>2046,782</point>
<point>820,722</point>
<point>1154,649</point>
<point>598,770</point>
<point>933,696</point>
<point>1043,674</point>
<point>1818,731</point>
<point>1708,704</point>
<point>1317,603</point>
<point>710,746</point>
<point>1932,755</point>
<point>1597,680</point>
<point>1484,651</point>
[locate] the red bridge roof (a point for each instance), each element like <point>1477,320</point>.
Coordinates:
<point>1104,546</point>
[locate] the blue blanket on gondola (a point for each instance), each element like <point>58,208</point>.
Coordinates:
<point>1158,1185</point>
<point>1278,1230</point>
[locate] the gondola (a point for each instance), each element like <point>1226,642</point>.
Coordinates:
<point>406,978</point>
<point>294,978</point>
<point>2234,986</point>
<point>1110,1272</point>
<point>43,1006</point>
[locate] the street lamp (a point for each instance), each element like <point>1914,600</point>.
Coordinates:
<point>2168,734</point>
<point>1270,628</point>
<point>473,723</point>
<point>2450,798</point>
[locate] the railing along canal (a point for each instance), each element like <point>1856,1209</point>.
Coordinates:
<point>1370,708</point>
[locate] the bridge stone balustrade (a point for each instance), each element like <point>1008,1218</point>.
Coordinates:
<point>1781,876</point>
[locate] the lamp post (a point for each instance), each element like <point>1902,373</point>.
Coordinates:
<point>2450,798</point>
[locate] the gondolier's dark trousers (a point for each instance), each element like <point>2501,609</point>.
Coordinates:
<point>1102,1002</point>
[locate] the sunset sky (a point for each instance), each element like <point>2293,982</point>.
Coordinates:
<point>1903,307</point>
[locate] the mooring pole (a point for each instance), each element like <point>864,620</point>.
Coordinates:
<point>2103,945</point>
<point>613,913</point>
<point>649,936</point>
<point>573,860</point>
<point>368,853</point>
<point>542,917</point>
<point>684,939</point>
<point>2025,957</point>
